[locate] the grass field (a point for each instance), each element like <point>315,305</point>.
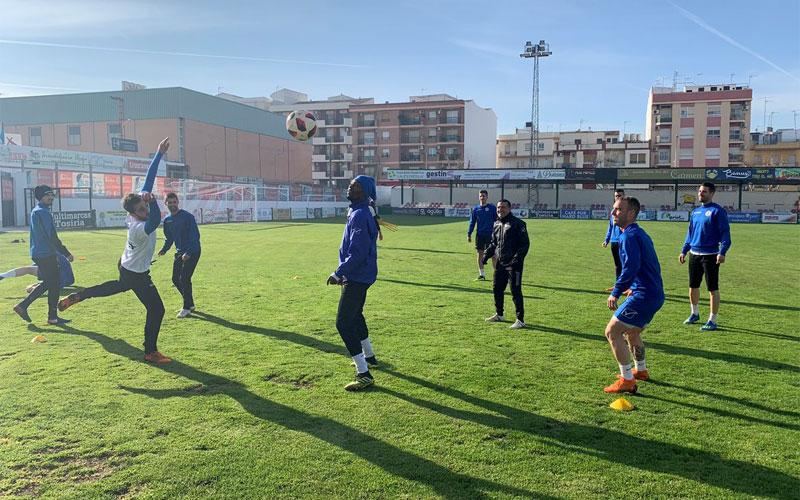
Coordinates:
<point>253,405</point>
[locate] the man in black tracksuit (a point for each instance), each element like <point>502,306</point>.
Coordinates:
<point>510,243</point>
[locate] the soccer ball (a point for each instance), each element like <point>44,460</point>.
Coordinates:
<point>301,124</point>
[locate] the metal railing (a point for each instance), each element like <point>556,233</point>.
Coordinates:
<point>366,123</point>
<point>449,138</point>
<point>409,120</point>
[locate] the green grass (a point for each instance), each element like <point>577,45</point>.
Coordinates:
<point>253,405</point>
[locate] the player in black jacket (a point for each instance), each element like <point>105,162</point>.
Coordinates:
<point>510,243</point>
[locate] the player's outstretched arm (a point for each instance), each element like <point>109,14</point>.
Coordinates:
<point>150,179</point>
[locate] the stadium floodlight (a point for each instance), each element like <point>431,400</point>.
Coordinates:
<point>541,49</point>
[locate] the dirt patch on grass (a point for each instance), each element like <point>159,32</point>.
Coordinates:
<point>300,382</point>
<point>68,469</point>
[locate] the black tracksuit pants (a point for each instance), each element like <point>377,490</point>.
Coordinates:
<point>350,318</point>
<point>502,277</point>
<point>145,290</point>
<point>51,283</point>
<point>617,260</point>
<point>182,272</point>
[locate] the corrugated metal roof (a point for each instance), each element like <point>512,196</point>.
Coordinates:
<point>174,102</point>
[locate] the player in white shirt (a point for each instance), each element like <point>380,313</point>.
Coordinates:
<point>144,216</point>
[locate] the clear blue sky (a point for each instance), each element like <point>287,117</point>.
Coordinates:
<point>606,55</point>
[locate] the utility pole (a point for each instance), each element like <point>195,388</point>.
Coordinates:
<point>541,49</point>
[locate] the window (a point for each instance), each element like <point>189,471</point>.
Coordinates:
<point>687,132</point>
<point>385,153</point>
<point>712,153</point>
<point>792,160</point>
<point>638,158</point>
<point>663,156</point>
<point>431,115</point>
<point>35,137</point>
<point>369,153</point>
<point>385,135</point>
<point>736,134</point>
<point>431,133</point>
<point>663,135</point>
<point>541,146</point>
<point>577,142</point>
<point>687,111</point>
<point>686,154</point>
<point>714,110</point>
<point>712,132</point>
<point>757,160</point>
<point>369,138</point>
<point>114,130</point>
<point>527,147</point>
<point>74,135</point>
<point>432,152</point>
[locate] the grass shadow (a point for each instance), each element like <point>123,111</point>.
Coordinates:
<point>391,459</point>
<point>453,287</point>
<point>681,351</point>
<point>613,446</point>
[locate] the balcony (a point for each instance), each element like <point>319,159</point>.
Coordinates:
<point>664,119</point>
<point>663,140</point>
<point>409,120</point>
<point>450,119</point>
<point>735,158</point>
<point>330,140</point>
<point>507,153</point>
<point>363,141</point>
<point>366,123</point>
<point>735,138</point>
<point>737,115</point>
<point>366,159</point>
<point>449,157</point>
<point>449,138</point>
<point>410,158</point>
<point>411,139</point>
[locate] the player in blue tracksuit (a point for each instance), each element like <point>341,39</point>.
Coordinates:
<point>357,271</point>
<point>612,236</point>
<point>641,273</point>
<point>45,247</point>
<point>483,215</point>
<point>181,227</point>
<point>707,242</point>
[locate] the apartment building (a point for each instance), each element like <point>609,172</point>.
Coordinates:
<point>428,132</point>
<point>699,126</point>
<point>573,149</point>
<point>780,148</point>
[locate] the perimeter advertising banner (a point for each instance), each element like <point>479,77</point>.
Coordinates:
<point>282,213</point>
<point>647,215</point>
<point>457,212</point>
<point>81,219</point>
<point>745,217</point>
<point>299,213</point>
<point>673,216</point>
<point>264,214</point>
<point>328,212</point>
<point>662,174</point>
<point>786,218</point>
<point>494,174</point>
<point>576,214</point>
<point>601,214</point>
<point>404,211</point>
<point>544,214</point>
<point>522,213</point>
<point>740,174</point>
<point>787,174</point>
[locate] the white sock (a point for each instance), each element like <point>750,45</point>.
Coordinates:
<point>481,271</point>
<point>640,365</point>
<point>9,274</point>
<point>712,318</point>
<point>361,363</point>
<point>626,371</point>
<point>366,346</point>
<point>696,309</point>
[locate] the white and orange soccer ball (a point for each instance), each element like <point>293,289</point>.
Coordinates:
<point>301,124</point>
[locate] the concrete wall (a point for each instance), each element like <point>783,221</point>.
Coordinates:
<point>480,134</point>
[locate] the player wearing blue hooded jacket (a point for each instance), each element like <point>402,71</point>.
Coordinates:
<point>483,215</point>
<point>707,241</point>
<point>641,273</point>
<point>357,271</point>
<point>612,236</point>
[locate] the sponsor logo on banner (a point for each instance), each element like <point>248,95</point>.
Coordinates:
<point>647,215</point>
<point>522,213</point>
<point>747,217</point>
<point>112,218</point>
<point>282,213</point>
<point>673,216</point>
<point>684,174</point>
<point>264,214</point>
<point>208,216</point>
<point>740,173</point>
<point>299,213</point>
<point>341,211</point>
<point>476,174</point>
<point>433,212</point>
<point>601,214</point>
<point>544,214</point>
<point>401,211</point>
<point>779,218</point>
<point>221,215</point>
<point>576,214</point>
<point>328,212</point>
<point>584,174</point>
<point>787,174</point>
<point>454,212</point>
<point>243,215</point>
<point>75,220</point>
<point>310,213</point>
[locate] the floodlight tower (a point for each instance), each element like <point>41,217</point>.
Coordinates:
<point>541,49</point>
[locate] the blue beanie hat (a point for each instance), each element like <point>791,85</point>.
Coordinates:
<point>368,184</point>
